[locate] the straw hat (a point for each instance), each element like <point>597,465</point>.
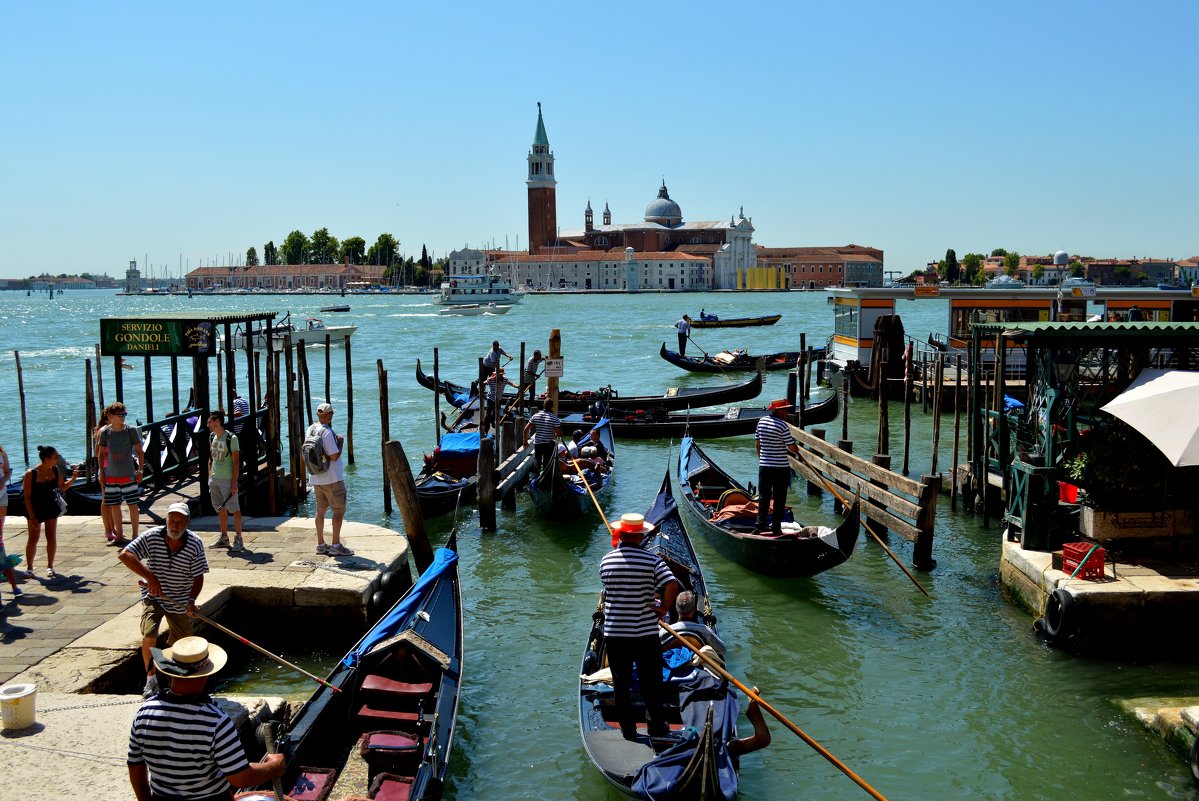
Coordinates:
<point>632,527</point>
<point>190,658</point>
<point>781,403</point>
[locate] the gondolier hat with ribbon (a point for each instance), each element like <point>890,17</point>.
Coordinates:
<point>782,404</point>
<point>631,528</point>
<point>190,658</point>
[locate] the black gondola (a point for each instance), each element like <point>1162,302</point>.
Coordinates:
<point>560,496</point>
<point>708,491</point>
<point>712,321</point>
<point>449,478</point>
<point>733,360</point>
<point>701,425</point>
<point>673,399</point>
<point>398,685</point>
<point>701,712</point>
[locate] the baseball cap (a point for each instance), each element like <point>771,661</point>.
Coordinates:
<point>324,408</point>
<point>180,508</point>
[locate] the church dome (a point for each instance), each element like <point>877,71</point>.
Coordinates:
<point>1061,257</point>
<point>663,210</point>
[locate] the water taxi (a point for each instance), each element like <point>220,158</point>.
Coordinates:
<point>477,289</point>
<point>474,309</point>
<point>313,332</point>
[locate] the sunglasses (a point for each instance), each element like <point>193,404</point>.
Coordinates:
<point>121,414</point>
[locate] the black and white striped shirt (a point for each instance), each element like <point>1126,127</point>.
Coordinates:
<point>774,437</point>
<point>630,575</point>
<point>174,571</point>
<point>188,744</point>
<point>545,427</point>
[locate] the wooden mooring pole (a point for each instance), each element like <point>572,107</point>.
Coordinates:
<point>90,414</point>
<point>21,389</point>
<point>328,368</point>
<point>436,400</point>
<point>399,473</point>
<point>938,381</point>
<point>487,483</point>
<point>907,406</point>
<point>957,430</point>
<point>385,428</point>
<point>349,403</point>
<point>305,378</point>
<point>99,380</point>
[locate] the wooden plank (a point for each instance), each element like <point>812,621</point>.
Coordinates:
<point>880,497</point>
<point>856,464</point>
<point>876,511</point>
<point>517,473</point>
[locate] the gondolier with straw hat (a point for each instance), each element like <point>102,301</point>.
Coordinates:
<point>631,575</point>
<point>181,744</point>
<point>774,443</point>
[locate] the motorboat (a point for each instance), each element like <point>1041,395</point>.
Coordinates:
<point>474,309</point>
<point>477,289</point>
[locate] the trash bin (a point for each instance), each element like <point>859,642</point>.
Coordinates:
<point>18,706</point>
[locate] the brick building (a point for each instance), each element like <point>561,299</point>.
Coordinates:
<point>277,277</point>
<point>819,267</point>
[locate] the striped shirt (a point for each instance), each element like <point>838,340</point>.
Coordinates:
<point>774,437</point>
<point>545,427</point>
<point>174,571</point>
<point>188,744</point>
<point>630,575</point>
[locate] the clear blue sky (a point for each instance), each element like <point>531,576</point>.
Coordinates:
<point>197,130</point>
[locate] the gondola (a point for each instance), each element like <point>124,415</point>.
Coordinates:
<point>450,476</point>
<point>692,762</point>
<point>709,491</point>
<point>732,360</point>
<point>559,496</point>
<point>712,321</point>
<point>673,399</point>
<point>733,422</point>
<point>399,686</point>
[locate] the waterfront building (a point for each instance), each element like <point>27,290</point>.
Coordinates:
<point>1188,271</point>
<point>821,267</point>
<point>281,277</point>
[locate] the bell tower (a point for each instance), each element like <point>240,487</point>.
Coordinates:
<point>543,207</point>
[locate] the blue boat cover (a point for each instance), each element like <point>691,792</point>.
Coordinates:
<point>391,623</point>
<point>464,444</point>
<point>658,779</point>
<point>460,399</point>
<point>1011,404</point>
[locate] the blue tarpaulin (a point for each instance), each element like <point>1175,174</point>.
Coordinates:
<point>1011,404</point>
<point>393,622</point>
<point>464,444</point>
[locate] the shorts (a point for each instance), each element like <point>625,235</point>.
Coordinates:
<point>117,493</point>
<point>331,495</point>
<point>218,493</point>
<point>178,625</point>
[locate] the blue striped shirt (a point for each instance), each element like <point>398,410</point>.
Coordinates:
<point>174,571</point>
<point>774,437</point>
<point>188,744</point>
<point>631,575</point>
<point>545,427</point>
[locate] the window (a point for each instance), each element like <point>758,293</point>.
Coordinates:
<point>845,320</point>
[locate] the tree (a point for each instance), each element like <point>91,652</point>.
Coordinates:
<point>252,257</point>
<point>1011,262</point>
<point>972,268</point>
<point>353,248</point>
<point>270,255</point>
<point>998,252</point>
<point>951,270</point>
<point>1123,274</point>
<point>323,248</point>
<point>1077,270</point>
<point>384,250</point>
<point>1038,272</point>
<point>295,248</point>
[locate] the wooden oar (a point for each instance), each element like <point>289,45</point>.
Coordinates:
<point>519,394</point>
<point>877,539</point>
<point>705,353</point>
<point>715,666</point>
<point>594,500</point>
<point>265,652</point>
<point>266,731</point>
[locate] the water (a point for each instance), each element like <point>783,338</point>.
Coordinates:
<point>947,698</point>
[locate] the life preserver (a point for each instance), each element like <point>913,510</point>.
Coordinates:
<point>1061,617</point>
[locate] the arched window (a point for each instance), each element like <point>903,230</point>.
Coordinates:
<point>601,240</point>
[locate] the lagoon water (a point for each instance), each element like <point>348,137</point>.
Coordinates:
<point>952,697</point>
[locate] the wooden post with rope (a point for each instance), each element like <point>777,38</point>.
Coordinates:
<point>551,381</point>
<point>399,473</point>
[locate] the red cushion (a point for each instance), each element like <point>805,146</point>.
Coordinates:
<point>389,741</point>
<point>384,685</point>
<point>387,714</point>
<point>393,791</point>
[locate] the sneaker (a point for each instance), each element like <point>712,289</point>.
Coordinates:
<point>16,592</point>
<point>238,545</point>
<point>324,550</point>
<point>223,542</point>
<point>151,688</point>
<point>337,549</point>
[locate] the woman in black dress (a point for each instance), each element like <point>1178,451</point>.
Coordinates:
<point>41,504</point>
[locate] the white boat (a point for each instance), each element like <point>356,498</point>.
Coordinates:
<point>474,309</point>
<point>313,332</point>
<point>477,289</point>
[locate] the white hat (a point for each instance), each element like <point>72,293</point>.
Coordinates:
<point>190,658</point>
<point>180,508</point>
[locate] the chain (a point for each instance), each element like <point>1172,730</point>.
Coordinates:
<point>106,759</point>
<point>356,573</point>
<point>92,706</point>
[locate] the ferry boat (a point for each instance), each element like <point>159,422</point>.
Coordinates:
<point>477,289</point>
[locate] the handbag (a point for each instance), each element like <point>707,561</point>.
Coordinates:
<point>62,502</point>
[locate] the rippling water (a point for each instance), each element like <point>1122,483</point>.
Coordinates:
<point>948,698</point>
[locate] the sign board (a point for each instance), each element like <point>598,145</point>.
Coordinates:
<point>553,368</point>
<point>1082,291</point>
<point>1195,292</point>
<point>166,337</point>
<point>927,290</point>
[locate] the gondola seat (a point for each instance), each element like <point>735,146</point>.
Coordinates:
<point>390,751</point>
<point>369,717</point>
<point>391,787</point>
<point>381,684</point>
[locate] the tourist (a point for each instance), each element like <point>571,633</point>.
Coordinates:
<point>120,469</point>
<point>241,408</point>
<point>493,395</point>
<point>631,575</point>
<point>684,328</point>
<point>572,448</point>
<point>181,744</point>
<point>760,738</point>
<point>5,567</point>
<point>774,442</point>
<point>687,620</point>
<point>224,466</point>
<point>329,486</point>
<point>528,378</point>
<point>43,487</point>
<point>171,563</point>
<point>491,360</point>
<point>546,430</point>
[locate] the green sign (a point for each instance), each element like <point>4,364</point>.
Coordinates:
<point>149,337</point>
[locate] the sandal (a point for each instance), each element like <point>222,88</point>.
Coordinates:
<point>50,574</point>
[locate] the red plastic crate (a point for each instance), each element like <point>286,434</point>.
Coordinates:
<point>1074,552</point>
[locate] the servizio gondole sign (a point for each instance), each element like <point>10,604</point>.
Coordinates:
<point>157,338</point>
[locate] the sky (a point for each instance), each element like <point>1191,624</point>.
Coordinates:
<point>186,133</point>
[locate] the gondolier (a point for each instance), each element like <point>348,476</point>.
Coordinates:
<point>631,575</point>
<point>774,443</point>
<point>684,328</point>
<point>546,429</point>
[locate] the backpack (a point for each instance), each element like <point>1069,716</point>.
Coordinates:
<point>212,441</point>
<point>313,450</point>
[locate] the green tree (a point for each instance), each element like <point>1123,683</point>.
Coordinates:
<point>1038,271</point>
<point>353,248</point>
<point>950,269</point>
<point>972,268</point>
<point>252,257</point>
<point>270,254</point>
<point>1011,262</point>
<point>1077,270</point>
<point>998,252</point>
<point>1123,274</point>
<point>383,252</point>
<point>323,248</point>
<point>295,248</point>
